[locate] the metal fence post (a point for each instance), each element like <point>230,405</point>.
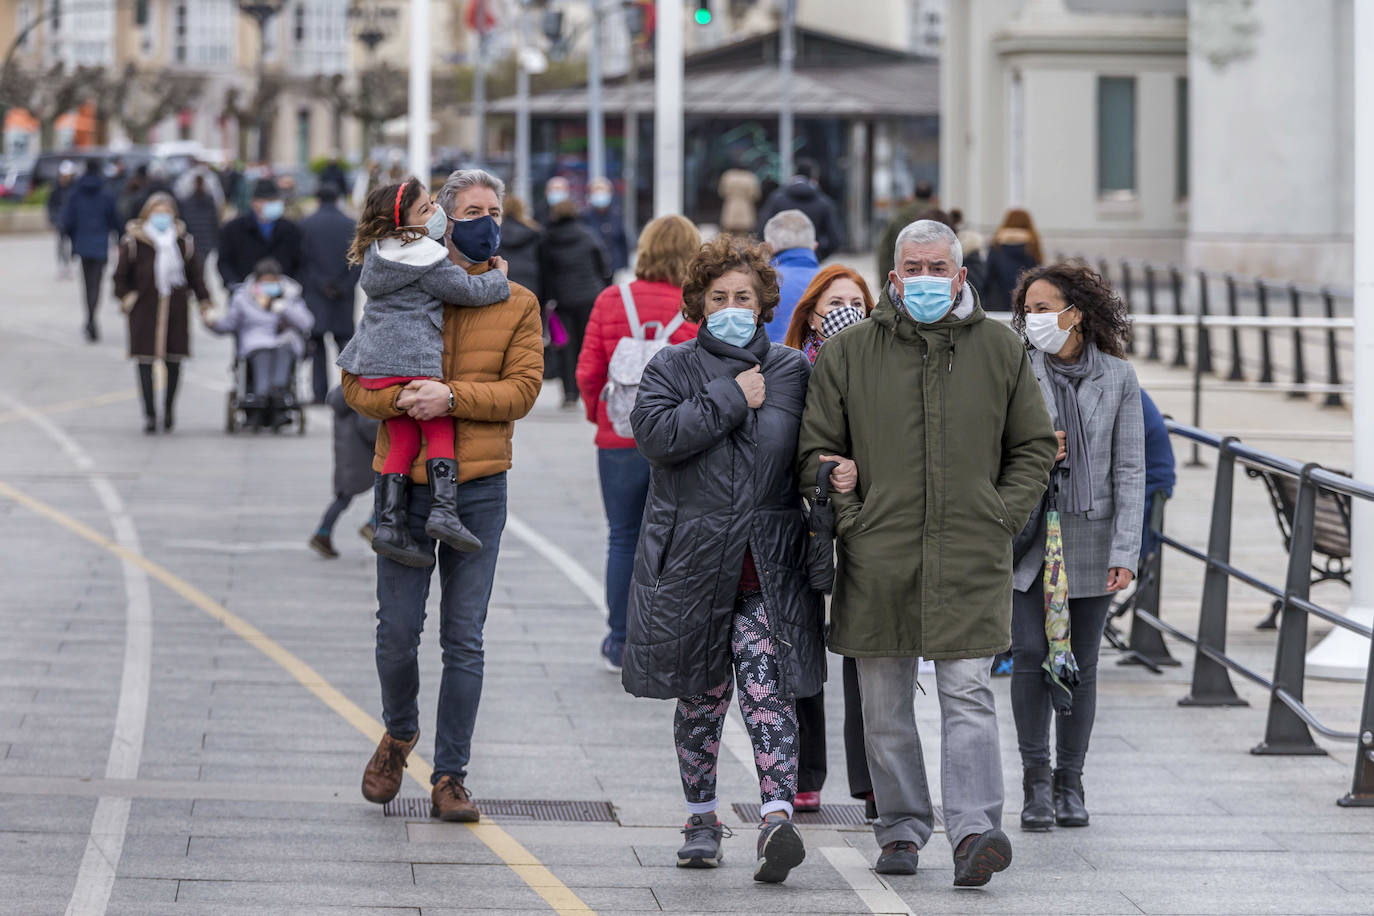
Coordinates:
<point>1333,365</point>
<point>1180,344</point>
<point>1299,373</point>
<point>1286,733</point>
<point>1361,793</point>
<point>1195,461</point>
<point>1146,641</point>
<point>1153,310</point>
<point>1204,334</point>
<point>1130,306</point>
<point>1266,355</point>
<point>1237,372</point>
<point>1211,681</point>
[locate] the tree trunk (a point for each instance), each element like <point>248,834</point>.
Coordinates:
<point>47,134</point>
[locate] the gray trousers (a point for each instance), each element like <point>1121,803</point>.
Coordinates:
<point>970,755</point>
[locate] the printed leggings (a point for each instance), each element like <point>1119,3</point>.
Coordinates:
<point>771,720</point>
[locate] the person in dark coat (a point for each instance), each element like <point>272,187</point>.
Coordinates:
<point>89,218</point>
<point>57,198</point>
<point>257,235</point>
<point>158,270</point>
<point>1015,249</point>
<point>334,174</point>
<point>522,245</point>
<point>355,439</point>
<point>200,212</point>
<point>328,282</point>
<point>606,223</point>
<point>718,592</point>
<point>1160,474</point>
<point>575,272</point>
<point>803,193</point>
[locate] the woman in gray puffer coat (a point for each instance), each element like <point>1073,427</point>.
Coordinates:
<point>719,591</point>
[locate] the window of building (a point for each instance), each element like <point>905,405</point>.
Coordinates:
<point>179,33</point>
<point>298,29</point>
<point>1116,137</point>
<point>1181,144</point>
<point>56,18</point>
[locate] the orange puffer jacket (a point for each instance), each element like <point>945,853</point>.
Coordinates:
<point>494,363</point>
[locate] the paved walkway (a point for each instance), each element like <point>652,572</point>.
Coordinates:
<point>187,698</point>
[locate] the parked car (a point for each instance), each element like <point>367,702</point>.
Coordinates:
<point>16,180</point>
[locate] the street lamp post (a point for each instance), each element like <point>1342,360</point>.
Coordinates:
<point>419,115</point>
<point>786,57</point>
<point>668,75</point>
<point>262,12</point>
<point>596,124</point>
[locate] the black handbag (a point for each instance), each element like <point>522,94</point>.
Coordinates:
<point>820,537</point>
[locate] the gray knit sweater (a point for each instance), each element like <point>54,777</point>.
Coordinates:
<point>401,333</point>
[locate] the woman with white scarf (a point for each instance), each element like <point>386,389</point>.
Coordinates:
<point>158,270</point>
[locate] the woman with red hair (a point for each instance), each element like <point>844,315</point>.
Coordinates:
<point>837,298</point>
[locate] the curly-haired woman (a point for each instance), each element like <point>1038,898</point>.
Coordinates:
<point>718,592</point>
<point>1078,328</point>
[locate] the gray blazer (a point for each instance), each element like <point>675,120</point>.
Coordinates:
<point>1109,534</point>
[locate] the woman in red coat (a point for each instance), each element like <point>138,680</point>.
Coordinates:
<point>665,248</point>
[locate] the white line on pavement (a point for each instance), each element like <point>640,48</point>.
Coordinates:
<point>854,868</point>
<point>735,738</point>
<point>96,877</point>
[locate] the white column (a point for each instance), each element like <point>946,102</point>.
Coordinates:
<point>786,56</point>
<point>419,115</point>
<point>668,107</point>
<point>596,123</point>
<point>1342,655</point>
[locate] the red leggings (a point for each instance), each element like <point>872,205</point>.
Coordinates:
<point>404,432</point>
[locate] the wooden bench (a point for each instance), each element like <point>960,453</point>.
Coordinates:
<point>1330,536</point>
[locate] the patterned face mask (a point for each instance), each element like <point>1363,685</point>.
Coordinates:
<point>840,318</point>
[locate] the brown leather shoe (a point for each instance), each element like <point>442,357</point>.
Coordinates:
<point>384,772</point>
<point>451,801</point>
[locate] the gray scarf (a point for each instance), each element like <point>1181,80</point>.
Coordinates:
<point>1076,497</point>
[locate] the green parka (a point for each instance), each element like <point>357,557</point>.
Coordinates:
<point>954,447</point>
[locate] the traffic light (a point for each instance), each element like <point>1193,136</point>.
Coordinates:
<point>702,14</point>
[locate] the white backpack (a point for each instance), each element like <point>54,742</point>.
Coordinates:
<point>631,355</point>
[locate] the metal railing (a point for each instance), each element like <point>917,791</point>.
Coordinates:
<point>1290,723</point>
<point>1257,311</point>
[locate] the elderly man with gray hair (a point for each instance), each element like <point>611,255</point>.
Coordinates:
<point>940,410</point>
<point>493,368</point>
<point>792,237</point>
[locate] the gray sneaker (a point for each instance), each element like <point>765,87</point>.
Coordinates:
<point>702,848</point>
<point>780,849</point>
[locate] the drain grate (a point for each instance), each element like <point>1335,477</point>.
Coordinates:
<point>523,809</point>
<point>828,816</point>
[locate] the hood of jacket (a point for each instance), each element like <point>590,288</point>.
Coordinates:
<point>800,190</point>
<point>390,265</point>
<point>796,257</point>
<point>1011,237</point>
<point>90,185</point>
<point>906,329</point>
<point>515,234</point>
<point>565,230</point>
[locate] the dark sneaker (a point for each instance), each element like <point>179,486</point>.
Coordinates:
<point>979,857</point>
<point>780,849</point>
<point>450,801</point>
<point>384,772</point>
<point>702,846</point>
<point>613,653</point>
<point>897,858</point>
<point>321,544</point>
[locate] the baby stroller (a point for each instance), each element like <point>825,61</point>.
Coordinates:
<point>244,410</point>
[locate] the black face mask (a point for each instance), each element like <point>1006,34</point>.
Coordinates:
<point>476,239</point>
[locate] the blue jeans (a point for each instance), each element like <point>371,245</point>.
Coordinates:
<point>465,581</point>
<point>624,488</point>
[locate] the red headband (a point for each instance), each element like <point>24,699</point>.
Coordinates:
<point>399,192</point>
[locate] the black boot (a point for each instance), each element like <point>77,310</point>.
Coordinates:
<point>444,523</point>
<point>1069,810</point>
<point>1037,811</point>
<point>392,539</point>
<point>170,395</point>
<point>145,384</point>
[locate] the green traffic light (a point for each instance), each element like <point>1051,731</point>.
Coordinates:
<point>703,16</point>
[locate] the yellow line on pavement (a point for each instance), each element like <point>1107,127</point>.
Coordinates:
<point>520,860</point>
<point>98,400</point>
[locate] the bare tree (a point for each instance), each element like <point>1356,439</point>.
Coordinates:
<point>139,99</point>
<point>381,93</point>
<point>49,94</point>
<point>247,110</point>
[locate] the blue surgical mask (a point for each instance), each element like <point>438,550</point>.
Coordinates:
<point>556,197</point>
<point>160,221</point>
<point>436,225</point>
<point>927,299</point>
<point>600,199</point>
<point>272,210</point>
<point>735,326</point>
<point>270,290</point>
<point>477,239</point>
